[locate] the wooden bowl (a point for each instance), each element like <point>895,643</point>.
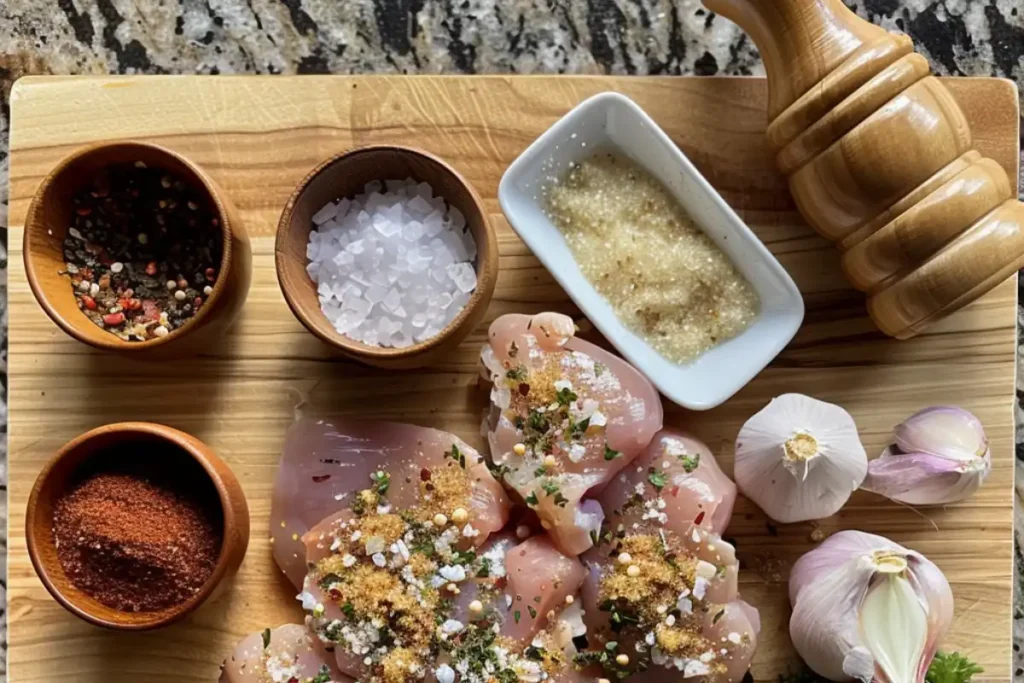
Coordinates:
<point>47,223</point>
<point>81,457</point>
<point>345,175</point>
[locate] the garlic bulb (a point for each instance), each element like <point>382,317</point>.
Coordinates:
<point>799,458</point>
<point>940,456</point>
<point>866,608</point>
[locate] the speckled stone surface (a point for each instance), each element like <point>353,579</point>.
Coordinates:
<point>961,37</point>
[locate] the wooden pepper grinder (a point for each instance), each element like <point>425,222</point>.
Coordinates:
<point>879,160</point>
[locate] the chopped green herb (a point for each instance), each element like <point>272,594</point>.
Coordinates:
<point>381,481</point>
<point>611,646</point>
<point>457,455</point>
<point>358,505</point>
<point>718,616</point>
<point>599,368</point>
<point>532,611</point>
<point>516,615</point>
<point>537,422</point>
<point>565,396</point>
<point>463,557</point>
<point>578,429</point>
<point>550,487</point>
<point>610,454</point>
<point>349,610</point>
<point>540,471</point>
<point>266,638</point>
<point>531,499</point>
<point>951,667</point>
<point>485,568</point>
<point>517,373</point>
<point>657,478</point>
<point>535,653</point>
<point>498,471</point>
<point>324,676</point>
<point>690,462</point>
<point>560,500</point>
<point>328,580</point>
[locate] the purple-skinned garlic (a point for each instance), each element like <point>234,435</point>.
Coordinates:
<point>940,455</point>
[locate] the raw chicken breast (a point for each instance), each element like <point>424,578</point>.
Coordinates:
<point>290,655</point>
<point>662,584</point>
<point>387,582</point>
<point>566,416</point>
<point>325,462</point>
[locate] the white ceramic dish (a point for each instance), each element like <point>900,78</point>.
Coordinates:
<point>613,122</point>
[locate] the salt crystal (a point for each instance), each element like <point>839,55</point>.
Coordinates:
<point>392,300</point>
<point>463,275</point>
<point>393,265</point>
<point>325,214</point>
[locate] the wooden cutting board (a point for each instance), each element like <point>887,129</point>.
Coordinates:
<point>259,135</point>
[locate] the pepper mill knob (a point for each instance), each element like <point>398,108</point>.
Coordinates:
<point>879,160</point>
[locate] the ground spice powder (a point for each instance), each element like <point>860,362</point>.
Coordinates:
<point>133,544</point>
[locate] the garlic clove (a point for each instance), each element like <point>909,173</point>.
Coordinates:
<point>940,456</point>
<point>923,478</point>
<point>894,626</point>
<point>799,458</point>
<point>945,431</point>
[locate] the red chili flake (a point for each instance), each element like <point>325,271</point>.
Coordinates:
<point>197,302</point>
<point>89,302</point>
<point>675,491</point>
<point>113,318</point>
<point>699,518</point>
<point>424,474</point>
<point>123,303</point>
<point>134,304</point>
<point>524,389</point>
<point>83,210</point>
<point>211,274</point>
<point>150,309</point>
<point>151,268</point>
<point>320,478</point>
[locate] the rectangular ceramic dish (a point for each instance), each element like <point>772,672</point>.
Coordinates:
<point>613,122</point>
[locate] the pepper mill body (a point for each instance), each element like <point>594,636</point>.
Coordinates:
<point>879,160</point>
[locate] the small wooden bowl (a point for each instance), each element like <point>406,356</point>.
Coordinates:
<point>47,223</point>
<point>345,175</point>
<point>79,458</point>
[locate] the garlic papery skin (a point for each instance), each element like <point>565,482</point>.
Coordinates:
<point>866,608</point>
<point>799,458</point>
<point>940,456</point>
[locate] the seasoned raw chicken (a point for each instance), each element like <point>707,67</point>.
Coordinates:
<point>286,654</point>
<point>395,577</point>
<point>326,462</point>
<point>566,416</point>
<point>662,582</point>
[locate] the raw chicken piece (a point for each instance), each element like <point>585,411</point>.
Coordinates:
<point>290,655</point>
<point>662,579</point>
<point>416,585</point>
<point>566,416</point>
<point>325,462</point>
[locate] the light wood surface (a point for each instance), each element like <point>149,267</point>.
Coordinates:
<point>859,125</point>
<point>259,136</point>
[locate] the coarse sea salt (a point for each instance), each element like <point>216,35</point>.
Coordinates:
<point>394,265</point>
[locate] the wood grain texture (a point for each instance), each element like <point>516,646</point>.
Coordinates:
<point>259,136</point>
<point>864,128</point>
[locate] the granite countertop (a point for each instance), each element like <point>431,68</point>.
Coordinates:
<point>960,37</point>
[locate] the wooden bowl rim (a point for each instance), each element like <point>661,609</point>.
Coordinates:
<point>115,343</point>
<point>200,452</point>
<point>486,267</point>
